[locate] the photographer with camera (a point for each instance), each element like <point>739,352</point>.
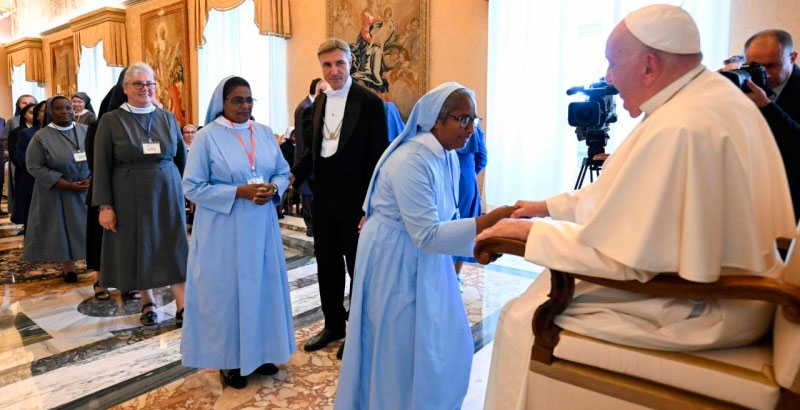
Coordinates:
<point>774,50</point>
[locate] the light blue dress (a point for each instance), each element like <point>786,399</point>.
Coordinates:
<point>238,312</point>
<point>409,344</point>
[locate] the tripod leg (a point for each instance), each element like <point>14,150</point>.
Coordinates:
<point>582,174</point>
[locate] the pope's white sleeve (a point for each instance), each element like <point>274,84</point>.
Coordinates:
<point>562,206</point>
<point>553,244</point>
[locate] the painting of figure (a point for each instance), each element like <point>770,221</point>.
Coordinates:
<point>388,39</point>
<point>62,65</point>
<point>166,49</point>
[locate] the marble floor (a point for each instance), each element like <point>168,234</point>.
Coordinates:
<point>62,348</point>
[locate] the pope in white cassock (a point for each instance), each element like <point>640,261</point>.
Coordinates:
<point>409,344</point>
<point>697,188</point>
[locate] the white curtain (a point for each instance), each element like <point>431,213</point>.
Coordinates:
<point>537,50</point>
<point>95,77</point>
<point>234,47</point>
<point>20,86</point>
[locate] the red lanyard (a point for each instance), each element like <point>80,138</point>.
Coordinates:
<point>251,156</point>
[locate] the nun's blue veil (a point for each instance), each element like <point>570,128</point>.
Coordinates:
<point>217,102</point>
<point>422,119</point>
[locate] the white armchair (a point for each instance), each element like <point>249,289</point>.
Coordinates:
<point>572,371</point>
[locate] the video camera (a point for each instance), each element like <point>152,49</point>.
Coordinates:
<point>592,117</point>
<point>752,71</point>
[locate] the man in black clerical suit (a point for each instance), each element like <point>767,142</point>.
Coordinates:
<point>348,132</point>
<point>301,141</point>
<point>775,51</point>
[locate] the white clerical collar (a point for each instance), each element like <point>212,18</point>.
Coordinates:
<point>342,92</point>
<point>83,112</point>
<point>665,94</point>
<point>429,140</point>
<point>311,98</point>
<point>138,110</point>
<point>67,128</point>
<point>221,120</point>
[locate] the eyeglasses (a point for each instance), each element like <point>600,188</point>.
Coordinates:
<point>465,119</point>
<point>139,85</point>
<point>238,101</point>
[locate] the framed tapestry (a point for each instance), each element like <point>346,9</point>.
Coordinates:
<point>389,42</point>
<point>165,46</point>
<point>62,67</point>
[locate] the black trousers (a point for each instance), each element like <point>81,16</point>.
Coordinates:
<point>306,211</point>
<point>336,219</point>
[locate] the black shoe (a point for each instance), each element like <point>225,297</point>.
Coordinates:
<point>148,318</point>
<point>100,294</point>
<point>234,379</point>
<point>179,318</point>
<point>267,369</point>
<point>309,232</point>
<point>322,339</point>
<point>71,277</point>
<point>340,352</point>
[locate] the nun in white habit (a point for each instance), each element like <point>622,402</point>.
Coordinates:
<point>697,188</point>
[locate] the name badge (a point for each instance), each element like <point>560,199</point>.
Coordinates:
<point>151,148</point>
<point>255,179</point>
<point>80,156</point>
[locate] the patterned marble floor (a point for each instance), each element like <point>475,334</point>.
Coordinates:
<point>62,348</point>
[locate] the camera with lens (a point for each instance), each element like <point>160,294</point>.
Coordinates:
<point>591,117</point>
<point>750,71</point>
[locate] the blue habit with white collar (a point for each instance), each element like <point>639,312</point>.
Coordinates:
<point>409,344</point>
<point>238,311</point>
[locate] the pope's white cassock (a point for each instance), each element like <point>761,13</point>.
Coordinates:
<point>697,188</point>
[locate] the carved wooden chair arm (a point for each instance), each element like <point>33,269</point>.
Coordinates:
<point>664,285</point>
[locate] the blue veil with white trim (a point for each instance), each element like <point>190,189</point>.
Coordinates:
<point>217,102</point>
<point>422,119</point>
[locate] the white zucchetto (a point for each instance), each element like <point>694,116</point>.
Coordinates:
<point>665,28</point>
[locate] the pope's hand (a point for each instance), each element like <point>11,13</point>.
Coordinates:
<point>530,209</point>
<point>507,228</point>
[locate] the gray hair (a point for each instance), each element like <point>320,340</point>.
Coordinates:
<point>334,43</point>
<point>137,68</point>
<point>783,38</point>
<point>452,100</point>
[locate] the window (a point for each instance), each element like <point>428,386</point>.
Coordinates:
<point>20,86</point>
<point>234,47</point>
<point>95,77</point>
<point>537,50</point>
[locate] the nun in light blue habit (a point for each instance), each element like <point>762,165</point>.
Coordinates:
<point>409,344</point>
<point>238,313</point>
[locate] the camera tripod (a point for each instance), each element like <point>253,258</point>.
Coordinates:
<point>591,165</point>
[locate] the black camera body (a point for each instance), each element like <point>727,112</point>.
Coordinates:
<point>592,117</point>
<point>749,71</point>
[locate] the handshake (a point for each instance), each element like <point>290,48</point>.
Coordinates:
<point>507,222</point>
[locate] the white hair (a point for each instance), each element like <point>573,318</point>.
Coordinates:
<point>136,68</point>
